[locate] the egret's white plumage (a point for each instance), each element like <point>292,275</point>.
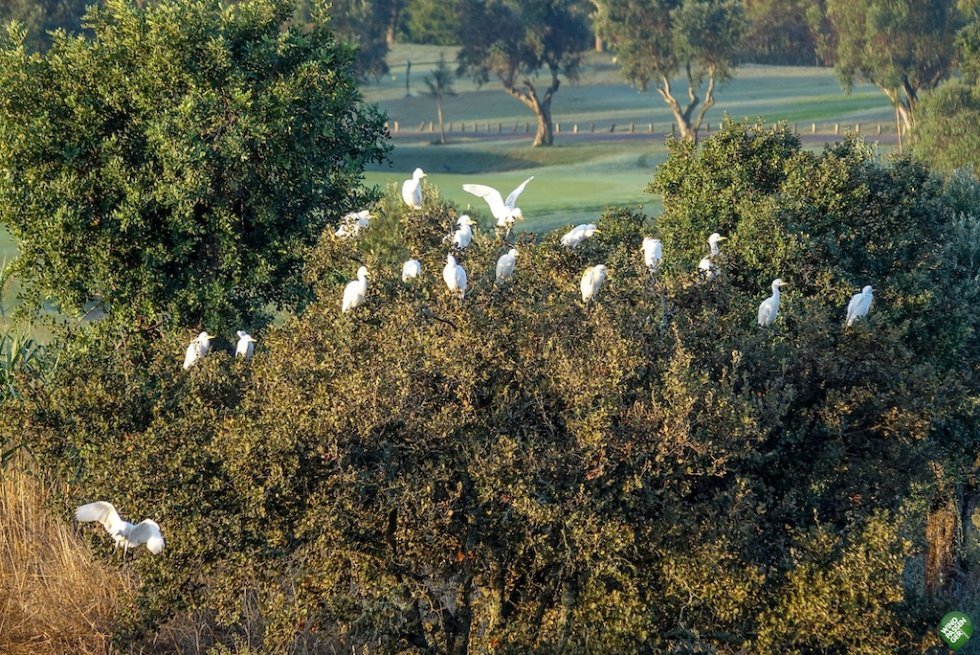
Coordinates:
<point>197,349</point>
<point>652,253</point>
<point>123,532</point>
<point>246,345</point>
<point>592,279</point>
<point>578,234</point>
<point>352,224</point>
<point>455,276</point>
<point>505,211</point>
<point>463,235</point>
<point>770,306</point>
<point>411,270</point>
<point>505,265</point>
<point>412,190</point>
<point>713,240</point>
<point>706,266</point>
<point>355,291</point>
<point>860,304</point>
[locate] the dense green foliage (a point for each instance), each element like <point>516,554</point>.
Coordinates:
<point>362,23</point>
<point>521,473</point>
<point>947,134</point>
<point>513,41</point>
<point>657,40</point>
<point>779,32</point>
<point>181,161</point>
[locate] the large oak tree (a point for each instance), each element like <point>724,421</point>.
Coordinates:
<point>655,41</point>
<point>513,41</point>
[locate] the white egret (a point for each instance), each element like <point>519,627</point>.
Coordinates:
<point>197,349</point>
<point>860,305</point>
<point>505,265</point>
<point>463,236</point>
<point>355,291</point>
<point>352,224</point>
<point>455,276</point>
<point>770,306</point>
<point>246,345</point>
<point>411,270</point>
<point>592,279</point>
<point>124,533</point>
<point>706,266</point>
<point>652,253</point>
<point>578,234</point>
<point>505,211</point>
<point>412,190</point>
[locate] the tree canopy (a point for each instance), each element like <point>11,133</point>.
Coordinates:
<point>39,17</point>
<point>520,472</point>
<point>513,41</point>
<point>180,161</point>
<point>904,47</point>
<point>655,41</point>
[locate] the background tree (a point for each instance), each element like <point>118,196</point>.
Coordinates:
<point>904,47</point>
<point>432,21</point>
<point>656,40</point>
<point>161,177</point>
<point>362,23</point>
<point>42,16</point>
<point>440,85</point>
<point>513,41</point>
<point>778,32</point>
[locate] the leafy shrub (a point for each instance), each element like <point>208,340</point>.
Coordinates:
<point>519,472</point>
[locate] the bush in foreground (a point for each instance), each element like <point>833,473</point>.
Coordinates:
<point>519,472</point>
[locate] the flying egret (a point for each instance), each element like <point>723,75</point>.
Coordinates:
<point>455,276</point>
<point>352,224</point>
<point>652,253</point>
<point>505,265</point>
<point>124,533</point>
<point>197,349</point>
<point>706,266</point>
<point>592,279</point>
<point>246,345</point>
<point>356,290</point>
<point>770,306</point>
<point>411,270</point>
<point>505,211</point>
<point>412,190</point>
<point>578,234</point>
<point>463,236</point>
<point>860,305</point>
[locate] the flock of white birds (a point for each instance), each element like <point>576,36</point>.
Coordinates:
<point>507,213</point>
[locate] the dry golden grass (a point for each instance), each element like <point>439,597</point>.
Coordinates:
<point>55,597</point>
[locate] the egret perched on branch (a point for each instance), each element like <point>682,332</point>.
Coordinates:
<point>197,349</point>
<point>770,306</point>
<point>505,211</point>
<point>652,253</point>
<point>505,265</point>
<point>706,267</point>
<point>463,236</point>
<point>356,290</point>
<point>860,305</point>
<point>592,279</point>
<point>411,270</point>
<point>246,345</point>
<point>124,533</point>
<point>352,224</point>
<point>578,234</point>
<point>455,276</point>
<point>412,190</point>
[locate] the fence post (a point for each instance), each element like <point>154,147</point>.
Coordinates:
<point>575,128</point>
<point>432,128</point>
<point>651,128</point>
<point>612,128</point>
<point>879,129</point>
<point>813,128</point>
<point>396,127</point>
<point>500,128</point>
<point>558,128</point>
<point>632,128</point>
<point>836,128</point>
<point>857,128</point>
<point>592,128</point>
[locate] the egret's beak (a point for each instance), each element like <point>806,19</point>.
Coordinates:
<point>723,238</point>
<point>208,336</point>
<point>783,284</point>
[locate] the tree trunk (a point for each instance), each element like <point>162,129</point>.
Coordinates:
<point>686,125</point>
<point>392,25</point>
<point>442,129</point>
<point>541,106</point>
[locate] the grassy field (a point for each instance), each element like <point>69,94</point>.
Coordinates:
<point>581,174</point>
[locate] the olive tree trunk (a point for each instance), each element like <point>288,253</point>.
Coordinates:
<point>540,105</point>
